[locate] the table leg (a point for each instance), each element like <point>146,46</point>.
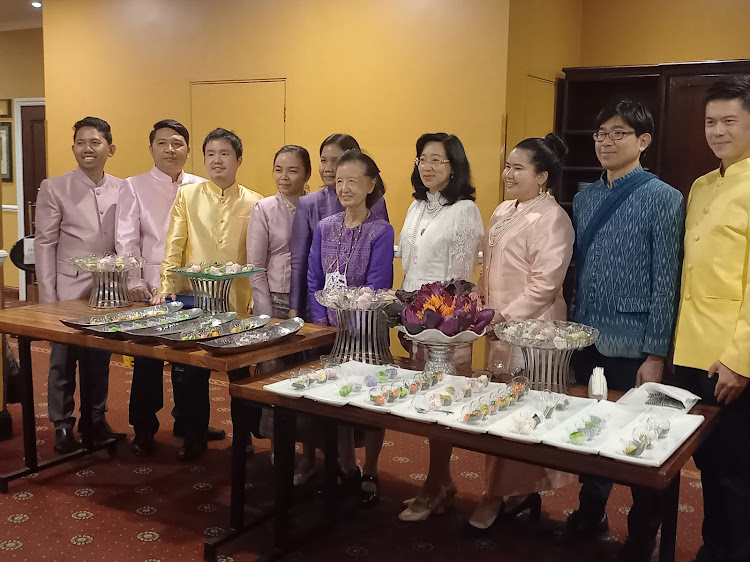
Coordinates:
<point>330,428</point>
<point>239,444</point>
<point>669,520</point>
<point>283,454</point>
<point>27,404</point>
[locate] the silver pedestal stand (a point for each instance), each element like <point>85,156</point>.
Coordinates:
<point>109,289</point>
<point>547,357</point>
<point>362,336</point>
<point>548,369</point>
<point>212,295</point>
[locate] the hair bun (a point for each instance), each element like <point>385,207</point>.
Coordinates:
<point>556,145</point>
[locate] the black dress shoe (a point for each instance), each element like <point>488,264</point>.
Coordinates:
<point>582,526</point>
<point>65,441</point>
<point>143,444</point>
<point>100,430</point>
<point>191,449</point>
<point>212,434</point>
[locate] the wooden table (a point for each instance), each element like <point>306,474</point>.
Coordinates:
<point>250,392</point>
<point>42,322</point>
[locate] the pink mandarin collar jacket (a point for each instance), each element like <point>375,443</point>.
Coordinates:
<point>75,217</point>
<point>143,212</point>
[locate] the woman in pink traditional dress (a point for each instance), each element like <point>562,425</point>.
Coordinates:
<point>527,250</point>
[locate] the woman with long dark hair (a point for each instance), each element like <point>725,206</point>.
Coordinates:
<point>438,242</point>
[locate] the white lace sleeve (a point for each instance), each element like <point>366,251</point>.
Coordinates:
<point>468,230</point>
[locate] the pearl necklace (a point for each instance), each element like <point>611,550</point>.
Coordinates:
<point>433,210</point>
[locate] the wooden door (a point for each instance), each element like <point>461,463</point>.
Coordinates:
<point>685,153</point>
<point>34,160</point>
<point>255,111</point>
<point>33,145</point>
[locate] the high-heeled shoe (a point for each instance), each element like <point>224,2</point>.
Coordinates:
<point>531,503</point>
<point>450,492</point>
<point>370,493</point>
<point>422,508</point>
<point>486,514</point>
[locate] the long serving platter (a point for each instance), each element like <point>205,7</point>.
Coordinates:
<point>202,322</point>
<point>123,329</point>
<point>190,336</point>
<point>254,339</point>
<point>124,315</point>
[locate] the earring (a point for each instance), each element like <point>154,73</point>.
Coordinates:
<point>307,188</point>
<point>541,189</point>
<point>452,174</point>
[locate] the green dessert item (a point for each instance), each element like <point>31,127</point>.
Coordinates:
<point>577,438</point>
<point>403,392</point>
<point>382,376</point>
<point>345,390</point>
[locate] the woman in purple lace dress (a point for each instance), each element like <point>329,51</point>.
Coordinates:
<point>313,208</point>
<point>356,249</point>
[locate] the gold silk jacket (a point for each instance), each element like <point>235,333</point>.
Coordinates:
<point>209,226</point>
<point>714,317</point>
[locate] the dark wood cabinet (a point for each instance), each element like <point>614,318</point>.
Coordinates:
<point>674,93</point>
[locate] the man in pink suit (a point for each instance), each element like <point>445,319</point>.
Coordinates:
<point>143,213</point>
<point>75,216</point>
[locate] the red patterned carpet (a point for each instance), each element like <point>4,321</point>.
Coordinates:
<point>130,509</point>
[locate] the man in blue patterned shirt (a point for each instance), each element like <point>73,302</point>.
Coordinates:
<point>629,228</point>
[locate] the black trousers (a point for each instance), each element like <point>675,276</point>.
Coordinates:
<point>192,407</point>
<point>724,461</point>
<point>147,395</point>
<point>644,518</point>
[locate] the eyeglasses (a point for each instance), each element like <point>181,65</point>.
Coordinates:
<point>433,162</point>
<point>599,136</point>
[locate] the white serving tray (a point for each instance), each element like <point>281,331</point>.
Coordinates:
<point>682,427</point>
<point>284,388</point>
<point>328,393</point>
<point>503,427</point>
<point>620,416</point>
<point>455,422</point>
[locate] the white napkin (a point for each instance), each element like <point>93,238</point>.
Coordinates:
<point>598,384</point>
<point>638,396</point>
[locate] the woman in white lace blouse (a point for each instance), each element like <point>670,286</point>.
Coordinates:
<point>438,242</point>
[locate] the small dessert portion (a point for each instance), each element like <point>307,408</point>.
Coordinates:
<point>215,270</point>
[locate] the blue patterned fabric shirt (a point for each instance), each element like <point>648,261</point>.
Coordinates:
<point>628,288</point>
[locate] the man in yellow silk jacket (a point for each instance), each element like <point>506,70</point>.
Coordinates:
<point>712,341</point>
<point>208,224</point>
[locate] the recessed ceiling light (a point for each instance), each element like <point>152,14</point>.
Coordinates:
<point>36,4</point>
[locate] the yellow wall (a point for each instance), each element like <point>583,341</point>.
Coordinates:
<point>658,31</point>
<point>21,76</point>
<point>544,37</point>
<point>384,71</point>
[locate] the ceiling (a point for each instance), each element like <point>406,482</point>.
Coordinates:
<point>18,14</point>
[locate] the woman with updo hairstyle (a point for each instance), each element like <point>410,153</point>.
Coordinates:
<point>270,229</point>
<point>527,250</point>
